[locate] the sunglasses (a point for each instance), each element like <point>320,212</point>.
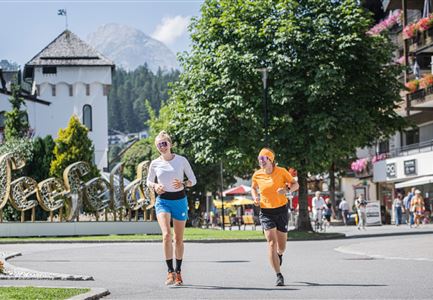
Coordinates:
<point>263,158</point>
<point>162,144</point>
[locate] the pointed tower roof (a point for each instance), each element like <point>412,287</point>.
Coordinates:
<point>69,50</point>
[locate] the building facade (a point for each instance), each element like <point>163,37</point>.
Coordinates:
<point>75,79</point>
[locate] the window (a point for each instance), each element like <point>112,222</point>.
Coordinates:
<point>412,136</point>
<point>53,90</point>
<point>106,89</point>
<point>87,116</point>
<point>87,89</point>
<point>71,90</point>
<point>49,70</point>
<point>383,147</point>
<point>38,90</point>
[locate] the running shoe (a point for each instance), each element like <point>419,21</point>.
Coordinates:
<point>171,278</point>
<point>178,281</point>
<point>280,280</point>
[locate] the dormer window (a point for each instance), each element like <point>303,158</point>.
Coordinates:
<point>49,70</point>
<point>71,90</point>
<point>87,89</point>
<point>53,90</point>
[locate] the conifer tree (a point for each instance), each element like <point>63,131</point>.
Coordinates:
<point>16,123</point>
<point>73,145</point>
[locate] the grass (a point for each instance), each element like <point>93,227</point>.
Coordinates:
<point>33,293</point>
<point>191,234</point>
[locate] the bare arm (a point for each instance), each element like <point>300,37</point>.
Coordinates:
<point>255,195</point>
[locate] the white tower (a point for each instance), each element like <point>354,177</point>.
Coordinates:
<point>76,79</point>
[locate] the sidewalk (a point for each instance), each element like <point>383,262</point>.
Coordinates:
<point>352,231</point>
<point>377,231</point>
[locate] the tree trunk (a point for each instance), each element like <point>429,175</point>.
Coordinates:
<point>332,186</point>
<point>304,223</point>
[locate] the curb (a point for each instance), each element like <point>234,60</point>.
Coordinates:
<point>387,234</point>
<point>93,294</point>
<point>16,273</point>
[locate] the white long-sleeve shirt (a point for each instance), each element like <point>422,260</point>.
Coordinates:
<point>166,171</point>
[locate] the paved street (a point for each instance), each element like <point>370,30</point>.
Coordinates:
<point>396,267</point>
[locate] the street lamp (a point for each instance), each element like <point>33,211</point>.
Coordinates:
<point>265,72</point>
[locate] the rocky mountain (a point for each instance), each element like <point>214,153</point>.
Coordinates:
<point>129,48</point>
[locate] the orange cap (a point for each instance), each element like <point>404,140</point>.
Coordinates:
<point>268,153</point>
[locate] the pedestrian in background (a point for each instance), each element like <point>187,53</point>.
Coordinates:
<point>344,207</point>
<point>361,206</point>
<point>398,209</point>
<point>418,207</point>
<point>407,204</point>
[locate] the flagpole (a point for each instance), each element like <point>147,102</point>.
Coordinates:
<point>66,15</point>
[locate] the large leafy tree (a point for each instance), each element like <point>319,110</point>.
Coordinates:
<point>331,87</point>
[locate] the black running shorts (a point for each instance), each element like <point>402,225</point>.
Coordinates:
<point>274,217</point>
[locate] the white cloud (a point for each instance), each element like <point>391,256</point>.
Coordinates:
<point>171,28</point>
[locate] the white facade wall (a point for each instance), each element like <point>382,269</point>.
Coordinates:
<point>424,166</point>
<point>47,120</point>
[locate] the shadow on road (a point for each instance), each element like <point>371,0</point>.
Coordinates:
<point>215,287</point>
<point>341,284</point>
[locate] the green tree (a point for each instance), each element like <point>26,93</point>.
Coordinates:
<point>140,151</point>
<point>16,123</point>
<point>331,86</point>
<point>130,89</point>
<point>73,145</point>
<point>22,150</point>
<point>39,166</point>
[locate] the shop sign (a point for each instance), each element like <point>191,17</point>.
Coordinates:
<point>410,167</point>
<point>391,170</point>
<point>373,213</point>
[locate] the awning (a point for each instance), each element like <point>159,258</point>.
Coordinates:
<point>415,182</point>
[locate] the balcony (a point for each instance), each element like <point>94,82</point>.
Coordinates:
<point>422,98</point>
<point>425,146</point>
<point>421,42</point>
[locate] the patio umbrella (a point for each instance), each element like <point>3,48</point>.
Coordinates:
<point>218,204</point>
<point>242,201</point>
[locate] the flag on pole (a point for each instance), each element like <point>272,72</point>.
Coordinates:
<point>61,12</point>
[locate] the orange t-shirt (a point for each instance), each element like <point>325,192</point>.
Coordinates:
<point>268,185</point>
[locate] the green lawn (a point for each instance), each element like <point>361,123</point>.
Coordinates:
<point>33,293</point>
<point>191,234</point>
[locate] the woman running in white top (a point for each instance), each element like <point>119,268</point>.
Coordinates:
<point>169,169</point>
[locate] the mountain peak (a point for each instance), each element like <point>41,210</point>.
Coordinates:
<point>129,48</point>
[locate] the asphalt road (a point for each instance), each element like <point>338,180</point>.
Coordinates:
<point>397,267</point>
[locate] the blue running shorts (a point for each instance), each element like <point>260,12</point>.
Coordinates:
<point>177,208</point>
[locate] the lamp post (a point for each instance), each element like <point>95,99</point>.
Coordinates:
<point>222,197</point>
<point>265,72</point>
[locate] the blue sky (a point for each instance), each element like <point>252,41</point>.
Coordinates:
<point>28,26</point>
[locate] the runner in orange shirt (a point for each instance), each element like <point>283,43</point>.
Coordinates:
<point>273,183</point>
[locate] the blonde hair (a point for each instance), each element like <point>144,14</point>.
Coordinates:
<point>163,135</point>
